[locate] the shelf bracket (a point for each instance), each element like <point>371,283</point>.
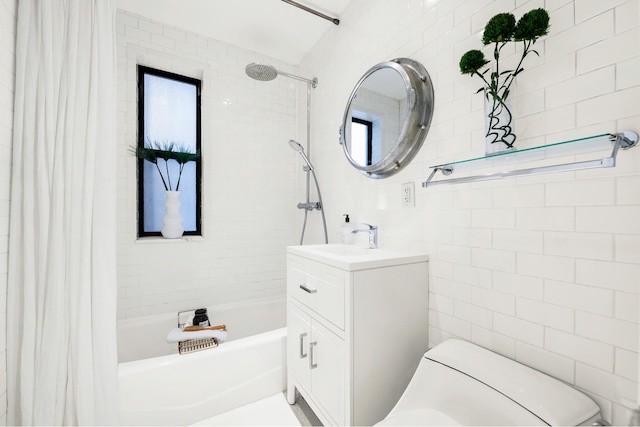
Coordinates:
<point>624,140</point>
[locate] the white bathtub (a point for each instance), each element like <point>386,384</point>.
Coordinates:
<point>184,389</point>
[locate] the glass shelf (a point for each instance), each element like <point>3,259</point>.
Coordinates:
<point>590,144</point>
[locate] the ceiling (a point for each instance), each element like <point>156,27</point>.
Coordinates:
<point>269,27</point>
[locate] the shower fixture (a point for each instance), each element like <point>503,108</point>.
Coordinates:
<point>309,205</point>
<point>265,73</point>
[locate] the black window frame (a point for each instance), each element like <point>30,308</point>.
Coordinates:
<point>142,71</point>
<point>369,126</point>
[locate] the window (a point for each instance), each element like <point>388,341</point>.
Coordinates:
<point>361,141</point>
<point>168,113</point>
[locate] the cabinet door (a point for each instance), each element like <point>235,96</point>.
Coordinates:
<point>327,357</point>
<point>298,339</point>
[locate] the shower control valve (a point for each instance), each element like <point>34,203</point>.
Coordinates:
<point>309,206</point>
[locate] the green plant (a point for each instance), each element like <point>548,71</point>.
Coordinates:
<point>155,151</point>
<point>500,30</point>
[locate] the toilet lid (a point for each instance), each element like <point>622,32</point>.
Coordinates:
<point>419,417</point>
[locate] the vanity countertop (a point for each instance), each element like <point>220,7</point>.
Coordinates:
<point>354,258</point>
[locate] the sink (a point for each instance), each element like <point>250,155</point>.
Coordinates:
<point>344,250</point>
<point>353,258</point>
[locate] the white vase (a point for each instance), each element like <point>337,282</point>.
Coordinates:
<point>499,126</point>
<point>172,220</point>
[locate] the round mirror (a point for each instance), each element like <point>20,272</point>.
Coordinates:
<point>387,117</point>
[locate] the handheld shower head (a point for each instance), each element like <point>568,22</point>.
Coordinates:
<point>297,147</point>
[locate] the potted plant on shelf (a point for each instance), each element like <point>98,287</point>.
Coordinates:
<point>154,152</point>
<point>500,30</point>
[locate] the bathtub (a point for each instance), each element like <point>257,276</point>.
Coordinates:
<point>176,389</point>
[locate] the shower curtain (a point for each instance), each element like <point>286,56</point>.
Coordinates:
<point>61,296</point>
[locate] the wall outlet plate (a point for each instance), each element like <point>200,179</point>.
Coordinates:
<point>408,195</point>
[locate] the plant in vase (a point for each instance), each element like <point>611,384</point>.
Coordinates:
<point>500,30</point>
<point>154,152</point>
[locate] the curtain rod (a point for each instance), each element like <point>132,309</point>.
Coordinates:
<point>315,12</point>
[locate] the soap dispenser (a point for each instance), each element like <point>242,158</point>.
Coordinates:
<point>346,238</point>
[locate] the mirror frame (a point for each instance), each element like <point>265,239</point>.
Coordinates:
<point>417,118</point>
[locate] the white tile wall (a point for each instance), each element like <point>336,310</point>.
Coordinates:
<point>252,180</point>
<point>541,269</point>
<point>8,12</point>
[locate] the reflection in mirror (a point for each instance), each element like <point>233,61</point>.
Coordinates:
<point>375,116</point>
<point>387,117</point>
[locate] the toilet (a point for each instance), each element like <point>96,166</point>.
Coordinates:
<point>459,383</point>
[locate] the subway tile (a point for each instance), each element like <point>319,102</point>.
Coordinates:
<point>557,366</point>
<point>608,385</point>
<point>585,298</point>
<point>518,285</point>
<point>542,313</point>
<point>493,259</point>
<point>627,190</point>
<point>588,9</point>
<point>440,303</point>
<point>626,364</point>
<point>473,314</point>
<point>519,196</point>
<point>472,237</point>
<point>518,240</point>
<point>481,277</point>
<point>546,266</point>
<point>493,341</point>
<point>519,329</point>
<point>457,291</point>
<point>492,300</point>
<point>589,192</point>
<point>626,15</point>
<point>608,51</point>
<point>580,349</point>
<point>473,198</point>
<point>455,327</point>
<point>581,87</point>
<point>626,248</point>
<point>613,106</point>
<point>493,218</point>
<point>627,74</point>
<point>579,245</point>
<point>547,121</point>
<point>580,35</point>
<point>608,219</point>
<point>627,306</point>
<point>547,218</point>
<point>616,332</point>
<point>455,254</point>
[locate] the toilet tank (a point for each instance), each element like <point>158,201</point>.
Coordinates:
<point>549,399</point>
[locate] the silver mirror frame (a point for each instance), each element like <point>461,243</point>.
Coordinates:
<point>417,118</point>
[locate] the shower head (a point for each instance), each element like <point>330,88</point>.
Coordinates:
<point>265,73</point>
<point>297,147</point>
<point>261,72</point>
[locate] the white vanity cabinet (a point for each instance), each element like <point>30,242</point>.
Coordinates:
<point>357,323</point>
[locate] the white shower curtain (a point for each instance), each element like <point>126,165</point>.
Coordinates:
<point>61,296</point>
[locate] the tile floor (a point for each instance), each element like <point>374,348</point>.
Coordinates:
<point>271,411</point>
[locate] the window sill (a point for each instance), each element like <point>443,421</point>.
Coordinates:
<point>158,239</point>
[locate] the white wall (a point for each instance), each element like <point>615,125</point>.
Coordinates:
<point>8,11</point>
<point>541,269</point>
<point>249,182</point>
